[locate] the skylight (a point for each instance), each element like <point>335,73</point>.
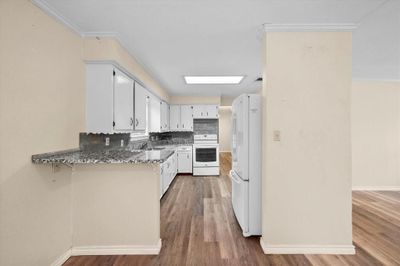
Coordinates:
<point>213,79</point>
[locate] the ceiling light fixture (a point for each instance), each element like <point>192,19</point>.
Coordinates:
<point>213,79</point>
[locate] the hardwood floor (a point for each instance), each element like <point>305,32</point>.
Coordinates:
<point>198,227</point>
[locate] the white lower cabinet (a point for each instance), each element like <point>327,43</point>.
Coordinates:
<point>168,171</point>
<point>184,160</point>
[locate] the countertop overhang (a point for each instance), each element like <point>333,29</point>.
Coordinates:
<point>103,156</point>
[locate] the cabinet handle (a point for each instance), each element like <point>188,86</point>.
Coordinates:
<point>183,125</point>
<point>207,113</point>
<point>131,121</point>
<point>188,156</point>
<point>201,113</point>
<point>177,125</point>
<point>137,122</point>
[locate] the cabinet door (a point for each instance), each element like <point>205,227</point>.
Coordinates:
<point>185,162</point>
<point>123,102</point>
<point>99,98</point>
<point>211,111</point>
<point>186,118</point>
<point>155,122</point>
<point>140,106</point>
<point>198,111</point>
<point>174,117</point>
<point>164,116</point>
<point>167,175</point>
<point>174,165</point>
<point>161,180</point>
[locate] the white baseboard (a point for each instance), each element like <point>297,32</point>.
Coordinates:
<point>117,250</point>
<point>63,258</point>
<point>376,188</point>
<point>108,250</point>
<point>307,249</point>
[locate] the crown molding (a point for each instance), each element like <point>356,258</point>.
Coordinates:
<point>375,80</point>
<point>104,34</point>
<point>43,5</point>
<point>272,27</point>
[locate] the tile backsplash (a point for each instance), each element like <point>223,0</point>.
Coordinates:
<point>205,126</point>
<point>98,141</point>
<point>171,138</point>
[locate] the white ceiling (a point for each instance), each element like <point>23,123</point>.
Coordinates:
<point>173,38</point>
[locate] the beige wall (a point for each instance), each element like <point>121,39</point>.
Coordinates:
<point>174,99</point>
<point>109,49</point>
<point>108,205</point>
<point>227,101</point>
<point>307,174</point>
<point>225,126</point>
<point>376,134</point>
<point>42,108</point>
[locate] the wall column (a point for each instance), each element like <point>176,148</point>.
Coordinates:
<point>306,92</point>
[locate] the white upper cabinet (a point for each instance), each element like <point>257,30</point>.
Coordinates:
<point>116,103</point>
<point>164,116</point>
<point>205,111</point>
<point>198,111</point>
<point>181,118</point>
<point>174,117</point>
<point>186,118</point>
<point>99,98</point>
<point>123,102</point>
<point>141,95</point>
<point>212,111</point>
<point>154,115</point>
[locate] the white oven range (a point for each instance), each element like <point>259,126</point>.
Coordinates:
<point>205,155</point>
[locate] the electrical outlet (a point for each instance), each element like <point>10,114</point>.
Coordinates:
<point>122,143</point>
<point>277,135</point>
<point>107,141</point>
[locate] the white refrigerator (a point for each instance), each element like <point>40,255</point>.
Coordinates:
<point>246,162</point>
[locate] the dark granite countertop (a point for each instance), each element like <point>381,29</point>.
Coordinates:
<point>107,156</point>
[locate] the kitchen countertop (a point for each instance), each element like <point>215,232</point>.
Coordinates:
<point>103,156</point>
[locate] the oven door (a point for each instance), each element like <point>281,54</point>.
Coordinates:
<point>205,155</point>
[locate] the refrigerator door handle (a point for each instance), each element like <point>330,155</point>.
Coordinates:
<point>234,177</point>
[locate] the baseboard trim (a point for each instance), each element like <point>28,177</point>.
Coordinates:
<point>376,188</point>
<point>63,258</point>
<point>108,250</point>
<point>307,249</point>
<point>117,250</point>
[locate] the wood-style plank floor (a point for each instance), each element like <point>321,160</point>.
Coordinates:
<point>198,227</point>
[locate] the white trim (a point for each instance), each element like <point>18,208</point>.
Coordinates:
<point>376,188</point>
<point>271,27</point>
<point>376,79</point>
<point>104,34</point>
<point>63,258</point>
<point>117,250</point>
<point>307,249</point>
<point>43,5</point>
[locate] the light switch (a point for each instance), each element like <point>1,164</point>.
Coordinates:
<point>107,141</point>
<point>277,135</point>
